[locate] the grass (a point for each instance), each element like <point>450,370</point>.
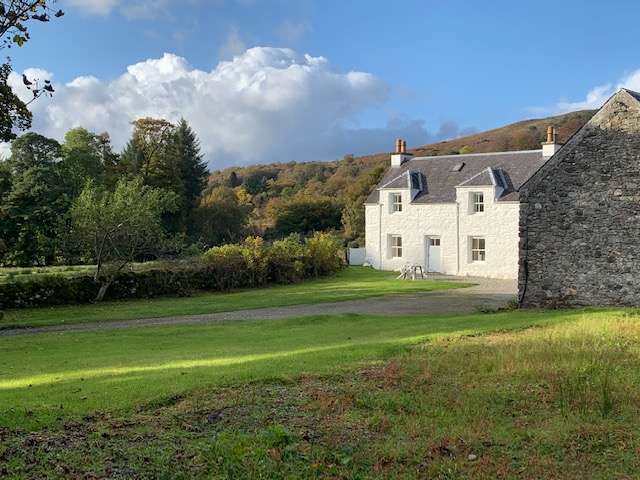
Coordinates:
<point>45,376</point>
<point>349,284</point>
<point>18,274</point>
<point>524,394</point>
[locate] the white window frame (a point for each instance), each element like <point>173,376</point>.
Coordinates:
<point>395,246</point>
<point>478,249</point>
<point>477,202</point>
<point>396,202</point>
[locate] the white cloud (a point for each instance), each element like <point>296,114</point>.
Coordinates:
<point>290,32</point>
<point>129,8</point>
<point>233,44</point>
<point>96,7</point>
<point>596,97</point>
<point>268,104</point>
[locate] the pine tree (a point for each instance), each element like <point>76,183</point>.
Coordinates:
<point>185,152</point>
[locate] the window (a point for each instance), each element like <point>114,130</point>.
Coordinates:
<point>434,242</point>
<point>396,246</point>
<point>478,202</point>
<point>396,202</point>
<point>478,251</point>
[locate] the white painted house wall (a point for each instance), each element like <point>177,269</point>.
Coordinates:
<point>455,224</point>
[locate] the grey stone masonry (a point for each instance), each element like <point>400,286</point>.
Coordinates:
<point>580,216</point>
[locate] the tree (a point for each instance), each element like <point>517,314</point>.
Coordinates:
<point>353,220</point>
<point>87,156</point>
<point>80,157</point>
<point>222,216</point>
<point>304,215</point>
<point>168,156</point>
<point>185,150</point>
<point>118,227</point>
<point>14,113</point>
<point>152,138</point>
<point>34,202</point>
<point>13,31</point>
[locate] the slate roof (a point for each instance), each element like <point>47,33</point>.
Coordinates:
<point>508,170</point>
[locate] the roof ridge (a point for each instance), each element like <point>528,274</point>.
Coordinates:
<point>467,155</point>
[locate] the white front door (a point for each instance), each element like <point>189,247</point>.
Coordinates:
<point>433,254</point>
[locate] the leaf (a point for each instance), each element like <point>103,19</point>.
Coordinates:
<point>59,14</point>
<point>19,39</point>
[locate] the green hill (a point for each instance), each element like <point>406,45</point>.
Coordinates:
<point>275,189</point>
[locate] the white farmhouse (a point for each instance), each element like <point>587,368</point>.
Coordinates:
<point>454,214</point>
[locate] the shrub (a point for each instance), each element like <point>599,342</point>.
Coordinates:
<point>249,264</point>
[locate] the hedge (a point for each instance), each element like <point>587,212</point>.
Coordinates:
<point>250,264</point>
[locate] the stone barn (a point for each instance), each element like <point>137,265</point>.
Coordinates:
<point>580,215</point>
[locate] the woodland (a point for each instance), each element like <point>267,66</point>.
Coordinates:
<point>81,202</point>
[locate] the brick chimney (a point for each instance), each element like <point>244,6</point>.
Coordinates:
<point>551,146</point>
<point>401,154</point>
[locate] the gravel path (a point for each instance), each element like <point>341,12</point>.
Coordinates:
<point>487,292</point>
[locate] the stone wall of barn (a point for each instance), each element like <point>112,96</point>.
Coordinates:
<point>580,216</point>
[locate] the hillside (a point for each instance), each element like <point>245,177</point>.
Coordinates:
<point>523,135</point>
<point>338,188</point>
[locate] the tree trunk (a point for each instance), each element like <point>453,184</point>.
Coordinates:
<point>102,291</point>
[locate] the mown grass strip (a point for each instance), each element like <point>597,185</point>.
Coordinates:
<point>43,377</point>
<point>349,284</point>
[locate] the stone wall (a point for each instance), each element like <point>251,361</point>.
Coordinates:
<point>580,216</point>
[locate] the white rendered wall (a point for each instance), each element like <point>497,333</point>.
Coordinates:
<point>498,225</point>
<point>454,225</point>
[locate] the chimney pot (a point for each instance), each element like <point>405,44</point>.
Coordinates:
<point>550,132</point>
<point>398,146</point>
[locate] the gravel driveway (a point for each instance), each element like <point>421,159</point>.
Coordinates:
<point>487,293</point>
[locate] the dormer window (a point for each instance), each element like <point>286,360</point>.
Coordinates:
<point>396,202</point>
<point>477,202</point>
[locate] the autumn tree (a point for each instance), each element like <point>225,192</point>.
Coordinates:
<point>167,156</point>
<point>147,151</point>
<point>222,216</point>
<point>353,220</point>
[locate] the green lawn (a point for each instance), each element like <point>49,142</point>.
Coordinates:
<point>349,284</point>
<point>43,377</point>
<point>525,394</point>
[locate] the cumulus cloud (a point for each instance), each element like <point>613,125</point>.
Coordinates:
<point>268,104</point>
<point>596,97</point>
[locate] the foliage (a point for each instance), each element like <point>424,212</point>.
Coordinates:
<point>353,283</point>
<point>284,261</point>
<point>13,31</point>
<point>304,215</point>
<point>250,264</point>
<point>167,156</point>
<point>14,113</point>
<point>221,216</point>
<point>35,201</point>
<point>193,173</point>
<point>81,151</point>
<point>119,227</point>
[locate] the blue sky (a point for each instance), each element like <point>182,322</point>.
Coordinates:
<point>262,81</point>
